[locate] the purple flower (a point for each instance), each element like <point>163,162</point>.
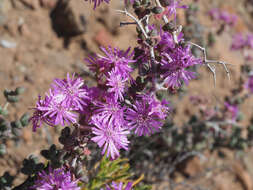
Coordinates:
<point>166,42</point>
<point>118,59</point>
<point>114,59</point>
<point>249,84</point>
<point>250,40</point>
<point>142,118</point>
<point>119,186</point>
<point>172,8</point>
<point>227,18</point>
<point>38,117</point>
<point>109,111</point>
<point>233,20</point>
<point>111,138</point>
<point>55,108</point>
<point>55,179</point>
<point>117,84</point>
<point>175,60</point>
<point>97,65</point>
<point>232,109</point>
<point>97,2</point>
<point>224,16</point>
<point>238,42</point>
<point>74,91</point>
<point>66,96</point>
<point>158,108</point>
<point>174,78</point>
<point>214,13</point>
<point>175,63</point>
<point>129,2</point>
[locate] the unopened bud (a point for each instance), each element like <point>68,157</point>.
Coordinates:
<point>16,124</point>
<point>25,119</point>
<point>157,10</point>
<point>136,4</point>
<point>145,2</point>
<point>12,99</point>
<point>165,3</point>
<point>170,27</point>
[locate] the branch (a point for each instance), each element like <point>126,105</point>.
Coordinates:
<point>138,22</point>
<point>165,19</point>
<point>207,61</point>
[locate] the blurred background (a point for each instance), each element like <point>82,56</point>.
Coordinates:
<point>44,39</point>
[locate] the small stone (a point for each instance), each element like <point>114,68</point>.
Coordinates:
<point>69,18</point>
<point>7,44</point>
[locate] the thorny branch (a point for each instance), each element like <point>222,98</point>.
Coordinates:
<point>207,62</point>
<point>143,25</point>
<point>165,19</point>
<point>138,22</point>
<point>126,23</point>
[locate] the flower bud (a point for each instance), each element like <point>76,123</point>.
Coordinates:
<point>16,124</point>
<point>17,132</point>
<point>170,27</point>
<point>12,99</point>
<point>136,4</point>
<point>145,2</point>
<point>25,119</point>
<point>65,132</point>
<point>165,3</point>
<point>157,10</point>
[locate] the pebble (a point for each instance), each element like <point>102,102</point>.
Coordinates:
<point>8,44</point>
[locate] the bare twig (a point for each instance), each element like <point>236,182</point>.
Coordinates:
<point>207,62</point>
<point>165,19</point>
<point>126,23</point>
<point>138,22</point>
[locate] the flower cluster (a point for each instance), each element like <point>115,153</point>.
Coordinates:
<point>171,9</point>
<point>175,60</point>
<point>55,179</point>
<point>110,120</point>
<point>146,115</point>
<point>240,41</point>
<point>66,97</point>
<point>98,2</point>
<point>122,103</point>
<point>223,16</point>
<point>243,43</point>
<point>232,109</point>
